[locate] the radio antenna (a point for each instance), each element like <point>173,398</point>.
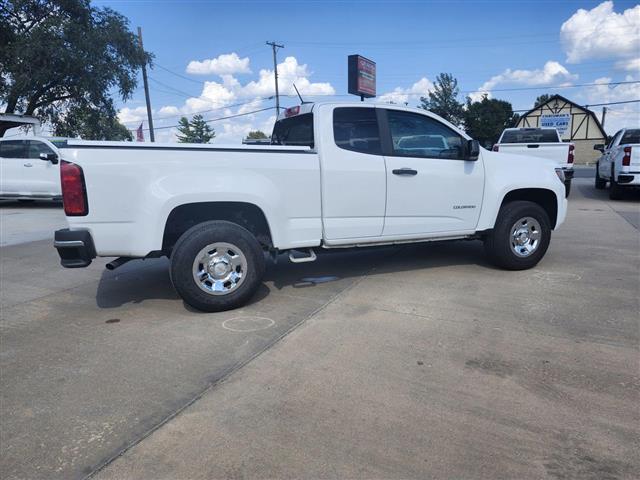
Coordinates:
<point>299,96</point>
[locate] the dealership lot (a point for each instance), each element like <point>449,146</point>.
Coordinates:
<point>406,362</point>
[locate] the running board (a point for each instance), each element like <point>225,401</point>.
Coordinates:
<point>310,258</point>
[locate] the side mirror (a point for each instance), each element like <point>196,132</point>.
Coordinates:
<point>599,147</point>
<point>473,150</point>
<point>49,157</point>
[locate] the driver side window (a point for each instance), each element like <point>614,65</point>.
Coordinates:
<point>415,135</point>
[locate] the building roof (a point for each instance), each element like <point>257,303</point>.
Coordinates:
<point>564,99</point>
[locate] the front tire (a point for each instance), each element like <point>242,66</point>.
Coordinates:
<point>520,237</point>
<point>601,183</point>
<point>217,266</point>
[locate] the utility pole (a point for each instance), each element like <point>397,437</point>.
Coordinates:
<point>275,46</point>
<point>146,89</point>
<point>604,114</point>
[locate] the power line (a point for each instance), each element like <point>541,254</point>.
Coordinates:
<point>219,118</point>
<point>259,99</point>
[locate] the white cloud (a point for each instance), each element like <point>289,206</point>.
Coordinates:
<point>403,95</point>
<point>221,96</point>
<point>129,115</point>
<point>552,73</point>
<point>631,65</point>
<point>225,64</point>
<point>601,33</point>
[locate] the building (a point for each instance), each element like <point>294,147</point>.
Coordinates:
<point>575,124</point>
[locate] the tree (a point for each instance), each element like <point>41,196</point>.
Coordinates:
<point>544,98</point>
<point>256,135</point>
<point>485,120</point>
<point>61,58</point>
<point>91,124</point>
<point>443,100</point>
<point>195,131</point>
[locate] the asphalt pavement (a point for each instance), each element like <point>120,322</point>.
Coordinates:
<point>419,361</point>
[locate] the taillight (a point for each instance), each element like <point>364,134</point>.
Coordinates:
<point>570,155</point>
<point>626,159</point>
<point>291,111</point>
<point>74,193</point>
<point>495,148</point>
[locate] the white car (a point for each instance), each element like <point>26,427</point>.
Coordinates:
<point>29,168</point>
<point>333,178</point>
<point>539,142</point>
<point>620,163</point>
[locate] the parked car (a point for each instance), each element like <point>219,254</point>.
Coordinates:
<point>539,142</point>
<point>29,168</point>
<point>333,178</point>
<point>620,162</point>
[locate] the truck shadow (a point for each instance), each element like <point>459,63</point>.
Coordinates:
<point>590,192</point>
<point>148,280</point>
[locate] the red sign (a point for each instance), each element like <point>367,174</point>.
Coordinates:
<point>362,76</point>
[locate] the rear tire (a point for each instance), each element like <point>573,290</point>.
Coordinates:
<point>520,237</point>
<point>217,266</point>
<point>615,191</point>
<point>601,183</point>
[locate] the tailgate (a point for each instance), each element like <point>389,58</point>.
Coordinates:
<point>558,152</point>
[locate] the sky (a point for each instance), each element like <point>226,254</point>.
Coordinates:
<point>212,57</point>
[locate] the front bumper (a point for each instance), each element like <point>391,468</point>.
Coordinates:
<point>75,247</point>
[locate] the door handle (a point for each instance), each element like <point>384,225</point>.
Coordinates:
<point>28,164</point>
<point>404,171</point>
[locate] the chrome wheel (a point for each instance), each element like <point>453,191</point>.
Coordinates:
<point>219,268</point>
<point>525,236</point>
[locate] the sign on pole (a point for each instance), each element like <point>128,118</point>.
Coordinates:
<point>362,76</point>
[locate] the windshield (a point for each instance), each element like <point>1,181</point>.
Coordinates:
<point>630,136</point>
<point>294,131</point>
<point>530,135</point>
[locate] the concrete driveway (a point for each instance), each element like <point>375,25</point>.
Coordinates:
<point>406,362</point>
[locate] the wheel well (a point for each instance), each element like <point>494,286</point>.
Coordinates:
<point>247,215</point>
<point>545,198</point>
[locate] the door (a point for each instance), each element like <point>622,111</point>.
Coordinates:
<point>431,188</point>
<point>353,174</point>
<point>604,163</point>
<point>43,175</point>
<point>13,156</point>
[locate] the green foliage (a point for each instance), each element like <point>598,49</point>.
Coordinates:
<point>195,131</point>
<point>485,120</point>
<point>544,98</point>
<point>91,124</point>
<point>256,135</point>
<point>62,57</point>
<point>443,100</point>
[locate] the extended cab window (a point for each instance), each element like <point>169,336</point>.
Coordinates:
<point>356,129</point>
<point>294,131</point>
<point>13,149</point>
<point>416,135</point>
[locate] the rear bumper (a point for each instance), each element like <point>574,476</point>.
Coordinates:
<point>75,247</point>
<point>631,179</point>
<point>568,176</point>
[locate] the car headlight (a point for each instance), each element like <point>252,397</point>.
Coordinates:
<point>560,173</point>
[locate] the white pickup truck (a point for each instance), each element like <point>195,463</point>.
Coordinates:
<point>337,175</point>
<point>29,168</point>
<point>620,163</point>
<point>539,142</point>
